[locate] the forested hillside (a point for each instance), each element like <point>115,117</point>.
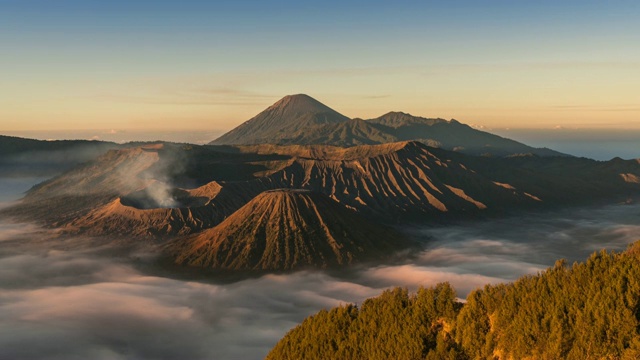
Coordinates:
<point>589,310</point>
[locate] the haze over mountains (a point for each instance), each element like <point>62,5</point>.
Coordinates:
<point>29,157</point>
<point>300,119</point>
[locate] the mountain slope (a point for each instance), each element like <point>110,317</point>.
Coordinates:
<point>302,120</point>
<point>88,186</point>
<point>287,229</point>
<point>288,118</point>
<point>397,180</point>
<point>130,192</point>
<point>135,191</point>
<point>394,183</point>
<point>452,135</point>
<point>117,171</point>
<point>352,132</point>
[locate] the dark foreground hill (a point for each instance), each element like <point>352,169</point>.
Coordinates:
<point>288,229</point>
<point>302,120</point>
<point>589,310</point>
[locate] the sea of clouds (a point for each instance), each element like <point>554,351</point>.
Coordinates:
<point>68,302</point>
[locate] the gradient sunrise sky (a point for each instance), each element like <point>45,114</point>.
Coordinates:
<point>190,65</point>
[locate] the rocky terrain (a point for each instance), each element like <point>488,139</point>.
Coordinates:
<point>211,201</point>
<point>288,229</point>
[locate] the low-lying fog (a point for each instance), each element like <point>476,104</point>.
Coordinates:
<point>79,304</point>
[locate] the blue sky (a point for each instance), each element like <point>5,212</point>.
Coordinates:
<point>205,64</point>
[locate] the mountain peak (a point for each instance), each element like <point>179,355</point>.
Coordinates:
<point>286,229</point>
<point>300,103</point>
<point>302,120</point>
<point>289,118</point>
<point>297,97</point>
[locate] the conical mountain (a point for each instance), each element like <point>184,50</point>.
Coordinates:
<point>288,229</point>
<point>287,119</point>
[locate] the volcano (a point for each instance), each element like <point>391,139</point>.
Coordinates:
<point>288,229</point>
<point>302,120</point>
<point>290,117</point>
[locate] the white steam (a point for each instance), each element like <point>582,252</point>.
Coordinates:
<point>160,194</point>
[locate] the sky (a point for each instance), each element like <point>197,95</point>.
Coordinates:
<point>196,65</point>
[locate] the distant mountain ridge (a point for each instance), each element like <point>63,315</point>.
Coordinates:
<point>302,120</point>
<point>30,157</point>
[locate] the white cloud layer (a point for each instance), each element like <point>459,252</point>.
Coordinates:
<point>57,303</point>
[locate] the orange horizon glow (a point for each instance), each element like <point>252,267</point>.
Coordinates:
<point>495,65</point>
